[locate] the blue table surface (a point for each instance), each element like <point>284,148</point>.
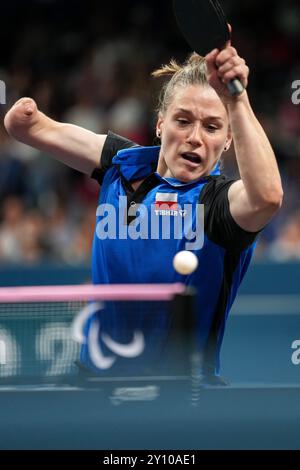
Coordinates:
<point>150,415</point>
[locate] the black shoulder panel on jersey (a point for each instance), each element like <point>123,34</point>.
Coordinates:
<point>112,145</point>
<point>219,225</point>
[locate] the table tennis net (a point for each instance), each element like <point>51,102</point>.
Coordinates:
<point>63,333</point>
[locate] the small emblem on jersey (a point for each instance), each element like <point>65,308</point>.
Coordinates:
<point>166,204</point>
<point>166,201</point>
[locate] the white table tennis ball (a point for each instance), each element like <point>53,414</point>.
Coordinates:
<point>185,262</point>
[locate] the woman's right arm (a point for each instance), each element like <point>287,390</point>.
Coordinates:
<point>75,146</point>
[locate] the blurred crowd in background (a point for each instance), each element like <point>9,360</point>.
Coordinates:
<point>89,63</point>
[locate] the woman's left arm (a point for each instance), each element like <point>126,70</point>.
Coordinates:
<point>257,196</point>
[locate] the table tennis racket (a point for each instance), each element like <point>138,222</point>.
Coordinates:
<point>204,26</point>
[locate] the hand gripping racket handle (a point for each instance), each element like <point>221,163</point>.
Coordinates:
<point>235,87</point>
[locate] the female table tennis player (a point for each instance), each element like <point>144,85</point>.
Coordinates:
<point>197,122</point>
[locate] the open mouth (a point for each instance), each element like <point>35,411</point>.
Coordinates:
<point>191,157</point>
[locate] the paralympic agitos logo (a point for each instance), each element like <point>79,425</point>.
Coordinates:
<point>95,337</point>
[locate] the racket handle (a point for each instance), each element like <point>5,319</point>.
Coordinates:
<point>235,87</point>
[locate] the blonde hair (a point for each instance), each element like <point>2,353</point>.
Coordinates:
<point>192,72</point>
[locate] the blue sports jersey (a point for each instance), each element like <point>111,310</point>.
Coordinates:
<point>163,217</point>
